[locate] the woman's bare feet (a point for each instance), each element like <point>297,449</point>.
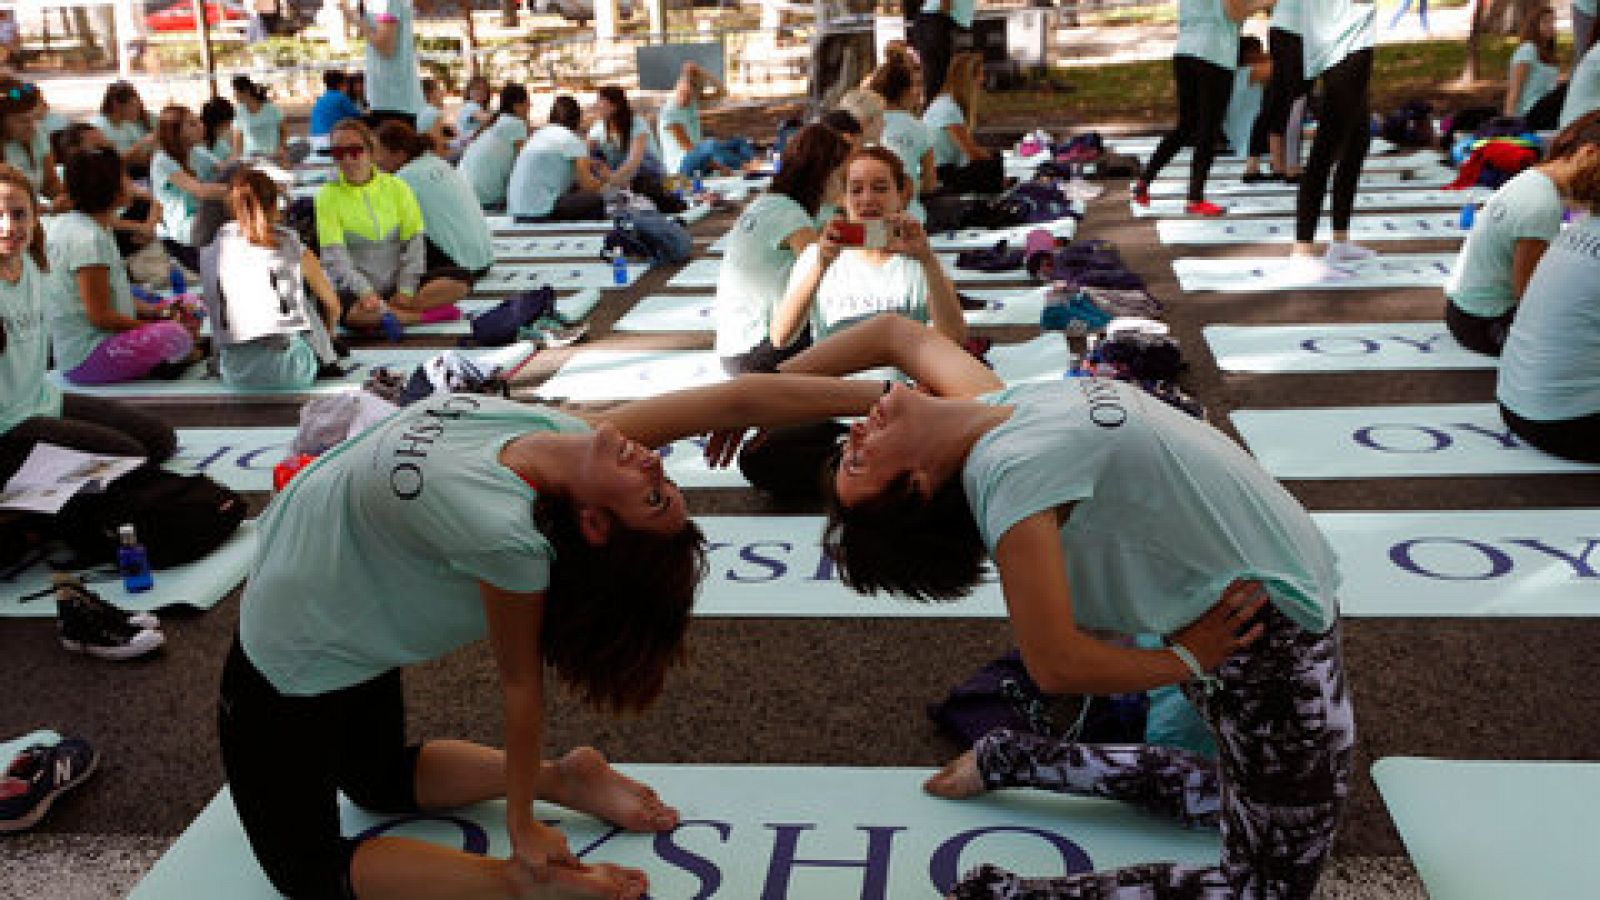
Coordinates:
<point>958,779</point>
<point>589,784</point>
<point>600,881</point>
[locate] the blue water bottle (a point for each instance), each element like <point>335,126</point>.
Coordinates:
<point>180,285</point>
<point>696,185</point>
<point>619,267</point>
<point>1469,213</point>
<point>133,562</point>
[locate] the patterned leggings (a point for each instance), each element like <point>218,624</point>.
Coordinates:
<point>1285,735</point>
<point>129,355</point>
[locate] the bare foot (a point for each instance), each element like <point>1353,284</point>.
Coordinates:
<point>588,882</point>
<point>589,784</point>
<point>958,779</point>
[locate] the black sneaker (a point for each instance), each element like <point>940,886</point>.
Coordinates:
<point>38,776</point>
<point>90,625</point>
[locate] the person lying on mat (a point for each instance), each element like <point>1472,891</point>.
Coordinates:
<point>1510,234</point>
<point>373,245</point>
<point>464,517</point>
<point>685,150</point>
<point>100,334</point>
<point>454,229</point>
<point>899,82</point>
<point>763,244</point>
<point>1107,511</point>
<point>255,274</point>
<point>492,150</point>
<point>554,178</point>
<point>32,410</point>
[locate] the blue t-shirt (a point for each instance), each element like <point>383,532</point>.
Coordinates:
<point>755,270</point>
<point>260,129</point>
<point>451,216</point>
<point>1166,510</point>
<point>1541,80</point>
<point>330,109</point>
<point>1205,32</point>
<point>1550,365</point>
<point>371,558</point>
<point>1583,90</point>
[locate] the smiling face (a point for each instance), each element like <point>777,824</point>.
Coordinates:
<point>883,448</point>
<point>352,155</point>
<point>870,190</point>
<point>16,220</point>
<point>623,482</point>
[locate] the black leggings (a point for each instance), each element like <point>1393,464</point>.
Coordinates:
<point>1481,334</point>
<point>288,757</point>
<point>1288,84</point>
<point>1576,439</point>
<point>1342,138</point>
<point>1203,91</point>
<point>93,425</point>
<point>1545,115</point>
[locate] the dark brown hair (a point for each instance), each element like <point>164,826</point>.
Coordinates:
<point>401,138</point>
<point>13,176</point>
<point>899,542</point>
<point>94,180</point>
<point>169,135</point>
<point>897,169</point>
<point>1530,33</point>
<point>620,123</point>
<point>254,198</point>
<point>615,615</point>
<point>1584,187</point>
<point>809,161</point>
<point>17,98</point>
<point>894,79</point>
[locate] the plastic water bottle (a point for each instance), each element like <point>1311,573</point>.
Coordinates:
<point>619,267</point>
<point>777,161</point>
<point>133,562</point>
<point>1469,214</point>
<point>696,185</point>
<point>179,284</point>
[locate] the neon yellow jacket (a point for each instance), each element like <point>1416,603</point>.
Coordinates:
<point>371,235</point>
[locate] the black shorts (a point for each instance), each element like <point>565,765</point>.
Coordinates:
<point>440,264</point>
<point>288,757</point>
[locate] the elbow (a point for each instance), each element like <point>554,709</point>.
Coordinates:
<point>1054,677</point>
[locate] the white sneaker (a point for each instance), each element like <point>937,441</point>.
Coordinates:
<point>1348,252</point>
<point>1299,271</point>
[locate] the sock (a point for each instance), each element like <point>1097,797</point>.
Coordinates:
<point>447,313</point>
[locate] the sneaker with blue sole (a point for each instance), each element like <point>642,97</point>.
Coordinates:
<point>38,776</point>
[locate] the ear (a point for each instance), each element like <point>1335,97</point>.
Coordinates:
<point>594,524</point>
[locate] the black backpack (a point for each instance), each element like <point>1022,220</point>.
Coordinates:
<point>178,518</point>
<point>1409,126</point>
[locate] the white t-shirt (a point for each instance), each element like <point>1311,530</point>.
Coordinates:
<point>854,288</point>
<point>122,135</point>
<point>1550,365</point>
<point>672,153</point>
<point>943,112</point>
<point>755,271</point>
<point>544,171</point>
<point>24,391</point>
<point>1527,206</point>
<point>909,139</point>
<point>1167,511</point>
<point>178,206</point>
<point>488,159</point>
<point>74,241</point>
<point>1541,78</point>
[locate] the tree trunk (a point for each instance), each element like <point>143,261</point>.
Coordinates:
<point>508,13</point>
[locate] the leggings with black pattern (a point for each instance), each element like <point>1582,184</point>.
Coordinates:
<point>1285,735</point>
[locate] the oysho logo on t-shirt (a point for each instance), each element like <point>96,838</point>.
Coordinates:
<point>411,448</point>
<point>1104,402</point>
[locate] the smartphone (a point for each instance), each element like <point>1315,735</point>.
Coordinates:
<point>872,234</point>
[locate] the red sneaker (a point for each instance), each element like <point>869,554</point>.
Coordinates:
<point>1204,208</point>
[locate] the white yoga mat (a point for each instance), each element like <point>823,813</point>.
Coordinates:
<point>599,375</point>
<point>1495,829</point>
<point>1519,562</point>
<point>198,585</point>
<point>1418,160</point>
<point>195,384</point>
<point>970,238</point>
<point>1145,145</point>
<point>756,831</point>
<point>549,246</point>
<point>1363,229</point>
<point>1284,204</point>
<point>511,278</point>
<point>1232,187</point>
<point>697,312</point>
<point>1378,346</point>
<point>1393,442</point>
<point>506,226</point>
<point>1277,273</point>
<point>702,273</point>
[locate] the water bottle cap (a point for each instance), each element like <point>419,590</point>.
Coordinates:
<point>127,535</point>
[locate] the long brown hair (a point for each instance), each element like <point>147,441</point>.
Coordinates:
<point>169,135</point>
<point>13,176</point>
<point>254,198</point>
<point>401,138</point>
<point>17,98</point>
<point>620,123</point>
<point>961,83</point>
<point>1584,186</point>
<point>894,80</point>
<point>809,161</point>
<point>1530,33</point>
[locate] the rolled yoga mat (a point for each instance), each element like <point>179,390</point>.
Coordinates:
<point>1277,273</point>
<point>1444,226</point>
<point>697,312</point>
<point>1378,346</point>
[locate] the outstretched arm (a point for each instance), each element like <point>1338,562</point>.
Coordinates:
<point>932,360</point>
<point>763,401</point>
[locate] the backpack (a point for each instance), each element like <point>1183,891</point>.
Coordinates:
<point>178,518</point>
<point>1409,126</point>
<point>1003,695</point>
<point>649,235</point>
<point>1029,203</point>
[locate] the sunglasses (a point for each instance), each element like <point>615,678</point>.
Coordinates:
<point>351,151</point>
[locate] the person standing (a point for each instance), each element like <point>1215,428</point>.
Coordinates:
<point>394,89</point>
<point>933,35</point>
<point>1283,106</point>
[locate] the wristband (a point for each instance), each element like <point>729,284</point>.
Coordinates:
<point>1208,683</point>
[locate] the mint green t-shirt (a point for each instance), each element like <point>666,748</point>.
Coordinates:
<point>672,114</point>
<point>74,241</point>
<point>122,135</point>
<point>275,362</point>
<point>487,161</point>
<point>960,10</point>
<point>908,138</point>
<point>24,391</point>
<point>427,117</point>
<point>1550,365</point>
<point>260,129</point>
<point>1204,32</point>
<point>1286,15</point>
<point>1541,78</point>
<point>451,216</point>
<point>1244,105</point>
<point>755,270</point>
<point>1166,510</point>
<point>943,112</point>
<point>855,288</point>
<point>1526,207</point>
<point>1583,90</point>
<point>178,206</point>
<point>31,166</point>
<point>393,82</point>
<point>615,155</point>
<point>544,171</point>
<point>371,558</point>
<point>1332,30</point>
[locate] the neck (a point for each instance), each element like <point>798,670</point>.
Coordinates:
<point>550,460</point>
<point>11,268</point>
<point>957,424</point>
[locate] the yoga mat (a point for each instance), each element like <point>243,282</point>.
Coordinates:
<point>1276,273</point>
<point>1521,562</point>
<point>697,312</point>
<point>1495,829</point>
<point>511,278</point>
<point>1145,145</point>
<point>597,375</point>
<point>549,246</point>
<point>196,384</point>
<point>1391,227</point>
<point>1393,442</point>
<point>969,238</point>
<point>198,585</point>
<point>504,225</point>
<point>1284,204</point>
<point>1378,346</point>
<point>756,831</point>
<point>702,273</point>
<point>1417,160</point>
<point>1229,187</point>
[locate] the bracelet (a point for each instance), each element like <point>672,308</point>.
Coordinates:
<point>1208,682</point>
